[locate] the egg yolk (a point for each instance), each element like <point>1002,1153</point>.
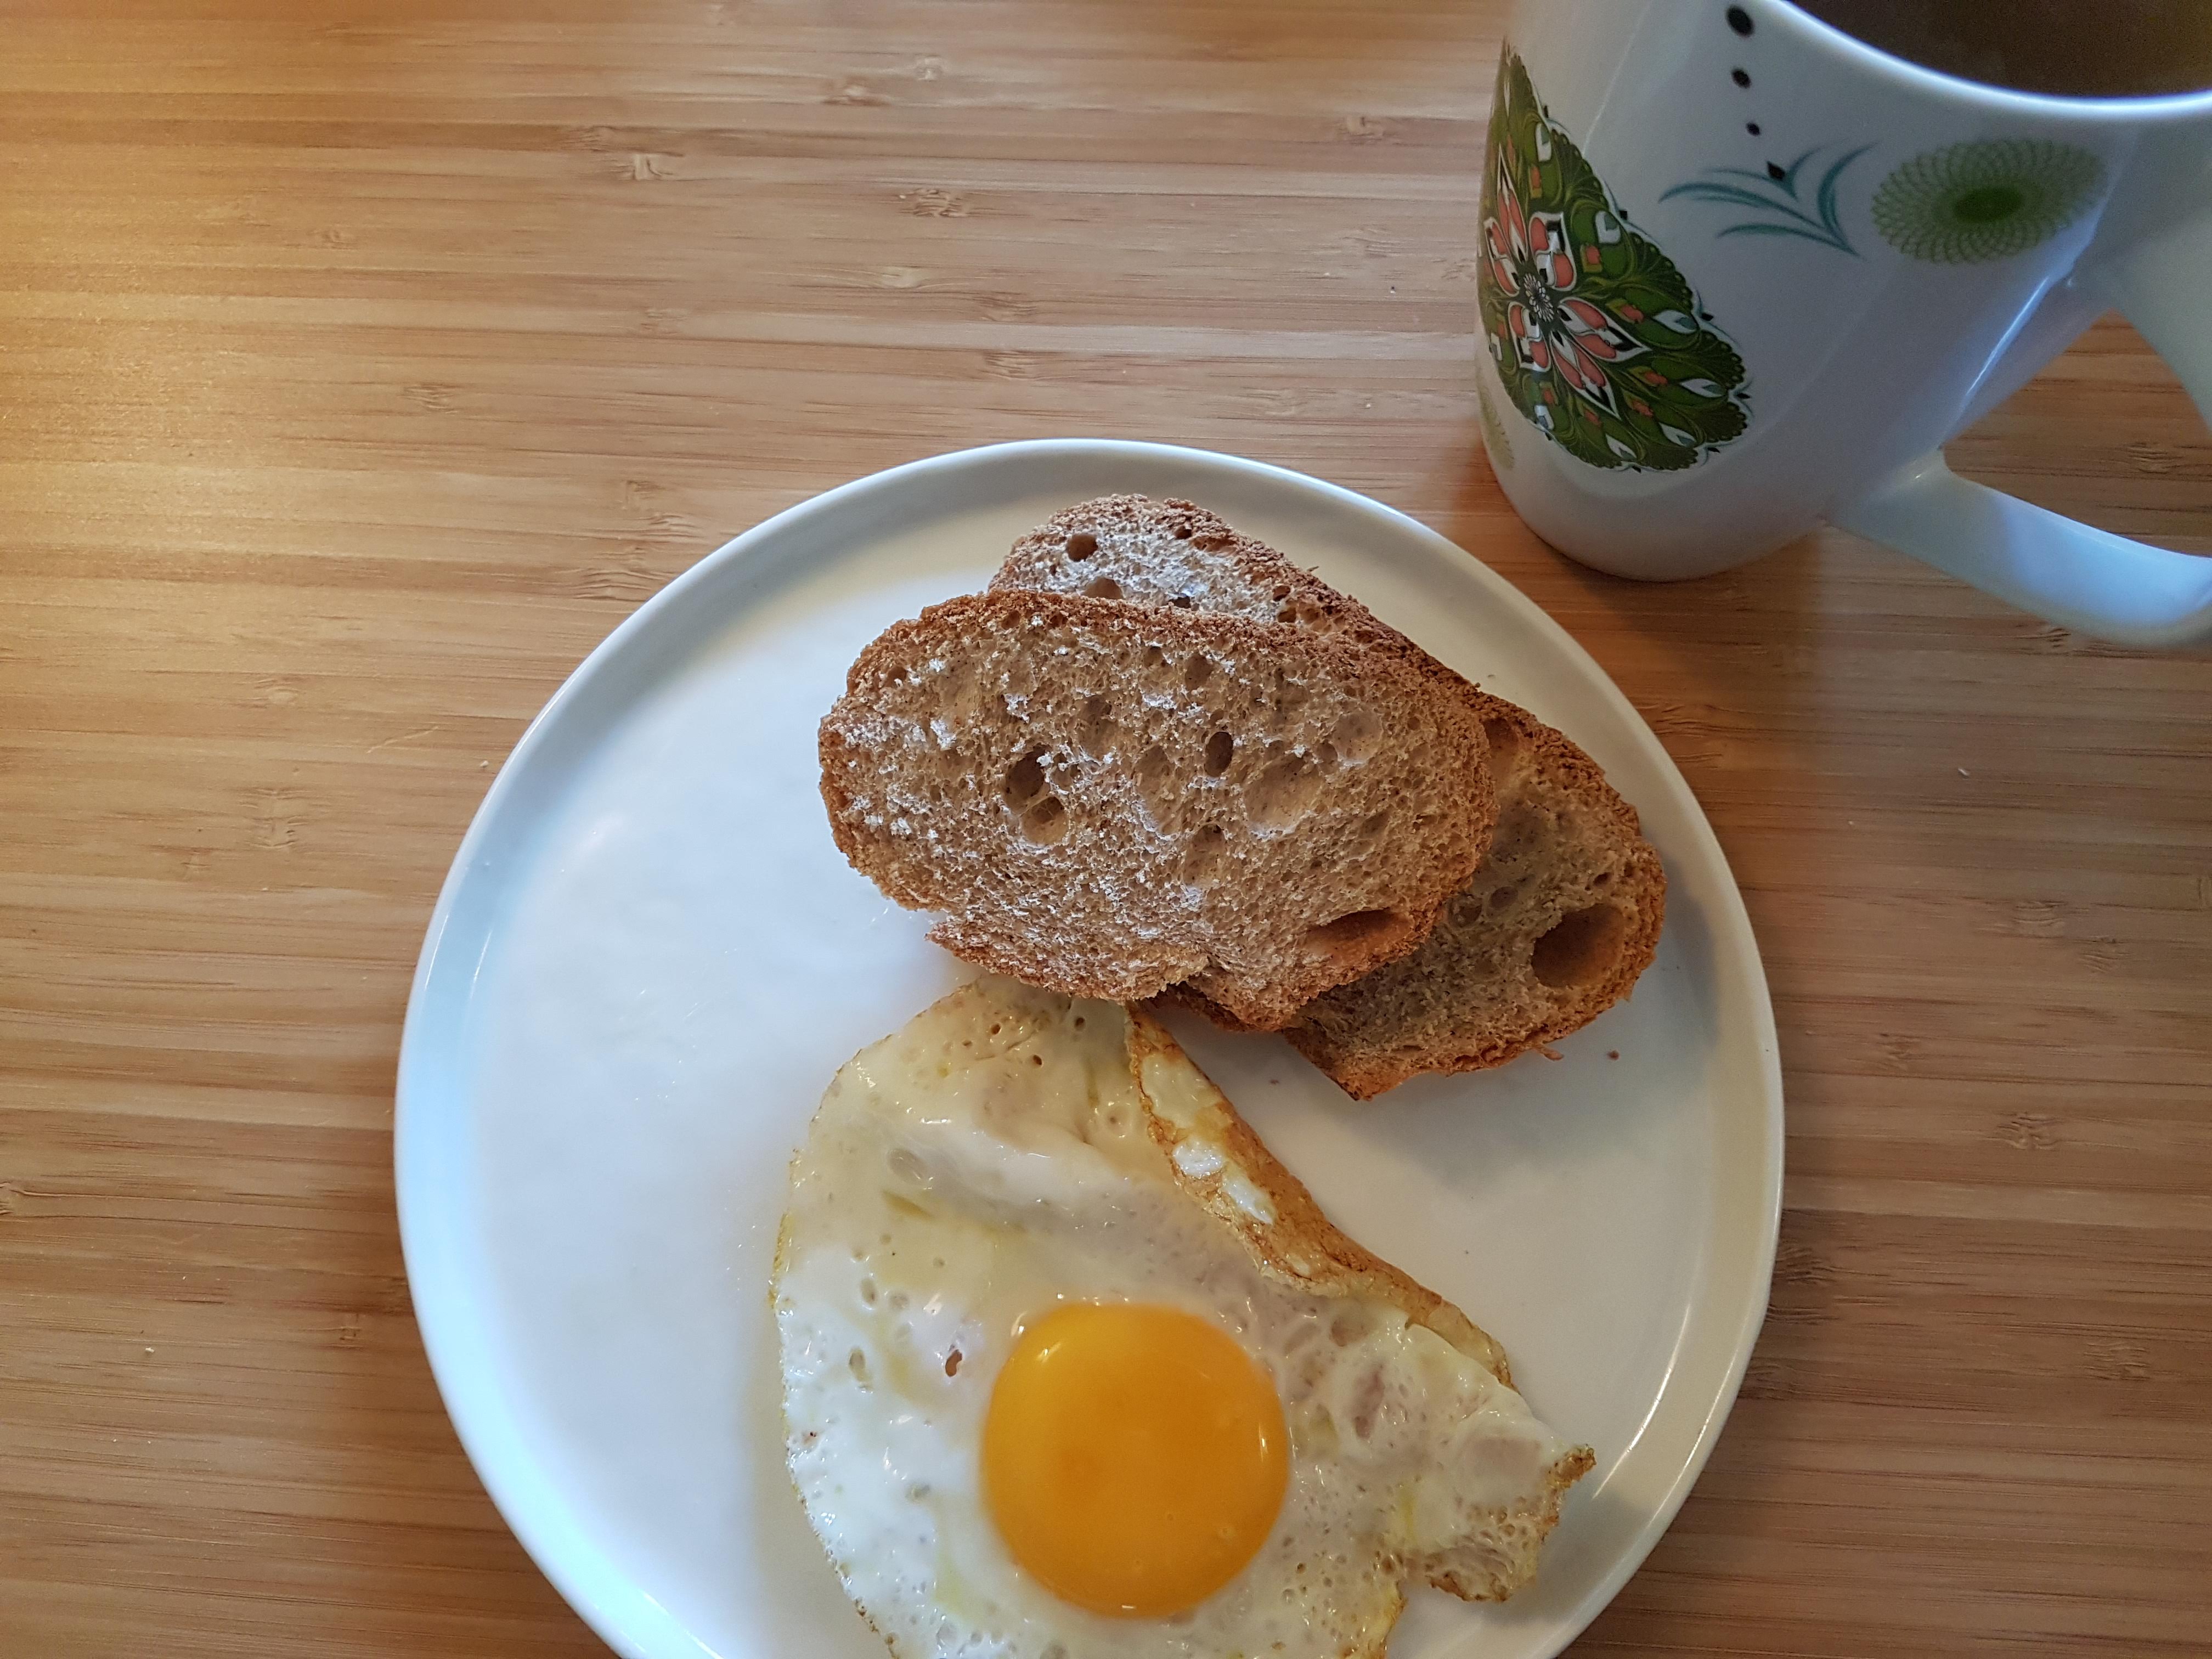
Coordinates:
<point>1135,1456</point>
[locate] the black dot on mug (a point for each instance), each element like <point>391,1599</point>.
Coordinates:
<point>1751,127</point>
<point>1740,77</point>
<point>1739,19</point>
<point>1774,172</point>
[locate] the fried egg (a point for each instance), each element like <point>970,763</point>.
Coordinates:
<point>1072,1367</point>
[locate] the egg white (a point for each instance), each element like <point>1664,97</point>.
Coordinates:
<point>981,1167</point>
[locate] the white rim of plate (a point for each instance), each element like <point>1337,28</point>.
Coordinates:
<point>624,1616</point>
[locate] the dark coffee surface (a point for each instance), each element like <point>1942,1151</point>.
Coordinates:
<point>2079,48</point>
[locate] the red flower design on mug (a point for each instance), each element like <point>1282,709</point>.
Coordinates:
<point>1551,329</point>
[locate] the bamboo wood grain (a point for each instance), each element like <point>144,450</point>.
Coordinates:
<point>362,366</point>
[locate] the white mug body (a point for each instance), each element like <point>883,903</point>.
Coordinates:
<point>1738,269</point>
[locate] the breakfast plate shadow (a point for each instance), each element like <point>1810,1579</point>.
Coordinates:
<point>649,958</point>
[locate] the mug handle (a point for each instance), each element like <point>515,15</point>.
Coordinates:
<point>2119,590</point>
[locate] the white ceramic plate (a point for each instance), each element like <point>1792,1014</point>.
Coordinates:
<point>649,958</point>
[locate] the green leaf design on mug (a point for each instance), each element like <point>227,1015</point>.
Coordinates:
<point>1598,339</point>
<point>1986,199</point>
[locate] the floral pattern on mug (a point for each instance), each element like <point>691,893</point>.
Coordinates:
<point>1598,339</point>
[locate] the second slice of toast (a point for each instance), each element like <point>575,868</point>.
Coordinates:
<point>1555,925</point>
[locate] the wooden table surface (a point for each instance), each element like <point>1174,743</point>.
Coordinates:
<point>358,375</point>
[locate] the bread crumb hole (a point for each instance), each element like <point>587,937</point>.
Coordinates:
<point>1197,671</point>
<point>1360,930</point>
<point>1504,745</point>
<point>1206,847</point>
<point>1183,533</point>
<point>1154,656</point>
<point>1284,793</point>
<point>1183,602</point>
<point>1356,735</point>
<point>1374,824</point>
<point>1094,726</point>
<point>1152,768</point>
<point>1103,587</point>
<point>1220,749</point>
<point>1082,544</point>
<point>1025,777</point>
<point>857,1363</point>
<point>1580,948</point>
<point>1046,823</point>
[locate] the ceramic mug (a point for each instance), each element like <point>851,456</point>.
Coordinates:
<point>1741,273</point>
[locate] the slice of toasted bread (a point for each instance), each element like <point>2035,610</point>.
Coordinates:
<point>1555,926</point>
<point>1110,798</point>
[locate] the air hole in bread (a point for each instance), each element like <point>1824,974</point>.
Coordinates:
<point>1197,671</point>
<point>1103,587</point>
<point>1206,847</point>
<point>1220,749</point>
<point>1183,532</point>
<point>1500,897</point>
<point>1284,792</point>
<point>1374,824</point>
<point>1504,745</point>
<point>1094,726</point>
<point>1357,735</point>
<point>1581,947</point>
<point>1047,821</point>
<point>1517,825</point>
<point>1025,777</point>
<point>1325,756</point>
<point>1283,593</point>
<point>1151,769</point>
<point>1360,930</point>
<point>1154,656</point>
<point>857,1363</point>
<point>1603,878</point>
<point>1183,601</point>
<point>1082,544</point>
